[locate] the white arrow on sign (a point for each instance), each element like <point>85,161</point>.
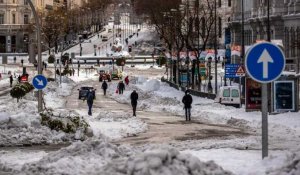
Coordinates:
<point>265,58</point>
<point>40,82</point>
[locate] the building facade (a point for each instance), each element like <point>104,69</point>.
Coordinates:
<point>284,26</point>
<point>16,19</point>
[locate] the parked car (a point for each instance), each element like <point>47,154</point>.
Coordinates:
<point>83,91</point>
<point>229,95</point>
<point>103,75</point>
<point>104,38</point>
<point>109,30</point>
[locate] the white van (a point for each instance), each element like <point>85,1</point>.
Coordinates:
<point>229,95</point>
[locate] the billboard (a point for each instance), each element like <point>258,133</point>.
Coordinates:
<point>253,95</point>
<point>284,96</point>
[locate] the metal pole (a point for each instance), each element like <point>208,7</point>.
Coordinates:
<point>37,22</point>
<point>60,67</point>
<point>216,68</point>
<point>264,93</point>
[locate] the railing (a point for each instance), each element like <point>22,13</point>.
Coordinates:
<point>13,26</point>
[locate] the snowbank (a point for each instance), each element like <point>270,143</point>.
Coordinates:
<point>166,162</point>
<point>80,158</point>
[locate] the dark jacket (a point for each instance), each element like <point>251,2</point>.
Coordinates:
<point>134,97</point>
<point>104,85</point>
<point>90,97</point>
<point>121,86</point>
<point>187,100</point>
<point>11,78</point>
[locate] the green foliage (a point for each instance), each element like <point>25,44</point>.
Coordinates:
<point>66,71</point>
<point>120,60</point>
<point>161,60</point>
<point>20,90</point>
<point>51,59</point>
<point>66,124</point>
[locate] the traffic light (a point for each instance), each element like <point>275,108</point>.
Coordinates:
<point>57,61</point>
<point>129,48</point>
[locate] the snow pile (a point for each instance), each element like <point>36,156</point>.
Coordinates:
<point>117,125</point>
<point>80,158</point>
<point>151,85</point>
<point>164,161</point>
<point>290,166</point>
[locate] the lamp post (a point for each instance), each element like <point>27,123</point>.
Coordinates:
<point>216,51</point>
<point>37,21</point>
<point>209,87</point>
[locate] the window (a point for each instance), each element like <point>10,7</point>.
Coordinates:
<point>25,2</point>
<point>220,3</point>
<point>226,93</point>
<point>1,1</point>
<point>26,19</point>
<point>14,18</point>
<point>1,18</point>
<point>235,93</point>
<point>229,3</point>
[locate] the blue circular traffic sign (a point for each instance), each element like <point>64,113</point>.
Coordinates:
<point>265,62</point>
<point>39,82</point>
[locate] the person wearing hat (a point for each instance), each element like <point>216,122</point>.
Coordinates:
<point>187,100</point>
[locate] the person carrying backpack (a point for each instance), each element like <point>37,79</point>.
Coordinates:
<point>104,87</point>
<point>187,100</point>
<point>90,100</point>
<point>134,97</point>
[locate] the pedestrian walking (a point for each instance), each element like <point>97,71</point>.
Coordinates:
<point>73,72</point>
<point>121,87</point>
<point>126,80</point>
<point>11,79</point>
<point>104,87</point>
<point>90,100</point>
<point>134,97</point>
<point>187,100</point>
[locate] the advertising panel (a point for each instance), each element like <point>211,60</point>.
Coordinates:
<point>284,97</point>
<point>253,95</point>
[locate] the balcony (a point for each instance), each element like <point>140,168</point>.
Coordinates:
<point>13,26</point>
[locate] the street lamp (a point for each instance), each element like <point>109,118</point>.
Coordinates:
<point>216,51</point>
<point>37,21</point>
<point>209,87</point>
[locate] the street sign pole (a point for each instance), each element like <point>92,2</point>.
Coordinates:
<point>264,123</point>
<point>265,63</point>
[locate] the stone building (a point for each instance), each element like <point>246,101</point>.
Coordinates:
<point>15,18</point>
<point>284,25</point>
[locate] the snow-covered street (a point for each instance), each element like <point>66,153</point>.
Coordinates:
<point>64,139</point>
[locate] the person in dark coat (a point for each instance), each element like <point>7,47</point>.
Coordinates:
<point>121,87</point>
<point>11,79</point>
<point>134,97</point>
<point>187,100</point>
<point>90,99</point>
<point>104,87</point>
